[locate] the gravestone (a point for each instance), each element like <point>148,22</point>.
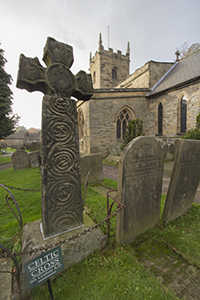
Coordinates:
<point>184,180</point>
<point>4,145</point>
<point>34,159</point>
<point>172,149</point>
<point>34,146</point>
<point>93,163</point>
<point>20,160</point>
<point>165,149</point>
<point>62,207</point>
<point>139,188</point>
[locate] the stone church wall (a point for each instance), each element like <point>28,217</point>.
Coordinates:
<point>157,71</point>
<point>84,141</point>
<point>171,109</point>
<point>146,76</point>
<point>95,70</point>
<point>139,79</point>
<point>103,63</point>
<point>101,111</point>
<point>100,122</point>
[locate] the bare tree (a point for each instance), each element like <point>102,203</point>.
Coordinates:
<point>186,50</point>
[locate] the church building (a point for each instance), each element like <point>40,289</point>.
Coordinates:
<point>166,96</point>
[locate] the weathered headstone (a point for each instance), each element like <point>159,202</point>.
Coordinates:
<point>93,163</point>
<point>4,145</point>
<point>34,159</point>
<point>172,149</point>
<point>139,188</point>
<point>20,160</point>
<point>34,146</point>
<point>165,149</point>
<point>62,207</point>
<point>184,180</point>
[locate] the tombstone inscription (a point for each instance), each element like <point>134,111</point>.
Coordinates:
<point>139,188</point>
<point>184,180</point>
<point>62,207</point>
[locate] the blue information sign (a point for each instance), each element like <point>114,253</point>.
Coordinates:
<point>44,266</point>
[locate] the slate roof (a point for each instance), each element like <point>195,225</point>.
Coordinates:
<point>182,72</point>
<point>16,135</point>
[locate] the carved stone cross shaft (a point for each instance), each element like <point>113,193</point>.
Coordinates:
<point>62,207</point>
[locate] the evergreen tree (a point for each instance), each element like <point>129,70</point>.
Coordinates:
<point>8,121</point>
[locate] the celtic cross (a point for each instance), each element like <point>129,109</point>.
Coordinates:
<point>62,207</point>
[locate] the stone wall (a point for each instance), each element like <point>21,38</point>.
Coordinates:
<point>139,79</point>
<point>171,109</point>
<point>147,75</point>
<point>102,110</point>
<point>157,71</point>
<point>84,142</point>
<point>103,63</point>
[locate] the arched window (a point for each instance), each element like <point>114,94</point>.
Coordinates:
<point>122,120</point>
<point>183,113</point>
<point>114,73</point>
<point>160,119</point>
<point>80,123</point>
<point>94,77</point>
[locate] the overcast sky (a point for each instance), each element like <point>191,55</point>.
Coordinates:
<point>155,29</point>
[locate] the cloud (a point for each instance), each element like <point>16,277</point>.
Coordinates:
<point>154,29</point>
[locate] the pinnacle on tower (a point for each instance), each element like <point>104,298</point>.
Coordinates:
<point>128,49</point>
<point>100,43</point>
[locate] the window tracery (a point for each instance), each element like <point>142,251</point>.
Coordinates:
<point>123,118</point>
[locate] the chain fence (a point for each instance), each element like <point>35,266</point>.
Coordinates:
<point>14,255</point>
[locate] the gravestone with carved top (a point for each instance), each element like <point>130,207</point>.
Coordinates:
<point>62,206</point>
<point>139,188</point>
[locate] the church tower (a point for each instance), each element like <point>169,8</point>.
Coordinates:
<point>107,68</point>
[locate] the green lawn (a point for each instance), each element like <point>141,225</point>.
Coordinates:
<point>4,159</point>
<point>28,202</point>
<point>114,273</point>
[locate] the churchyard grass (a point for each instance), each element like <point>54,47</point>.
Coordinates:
<point>28,202</point>
<point>9,149</point>
<point>4,159</point>
<point>115,272</point>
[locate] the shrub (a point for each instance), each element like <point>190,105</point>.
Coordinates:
<point>193,134</point>
<point>134,129</point>
<point>198,121</point>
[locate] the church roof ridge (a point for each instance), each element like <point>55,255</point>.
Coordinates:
<point>183,71</point>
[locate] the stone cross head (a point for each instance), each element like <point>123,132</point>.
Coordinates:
<point>57,77</point>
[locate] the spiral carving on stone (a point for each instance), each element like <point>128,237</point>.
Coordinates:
<point>61,131</point>
<point>65,221</point>
<point>62,193</point>
<point>58,105</point>
<point>61,160</point>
